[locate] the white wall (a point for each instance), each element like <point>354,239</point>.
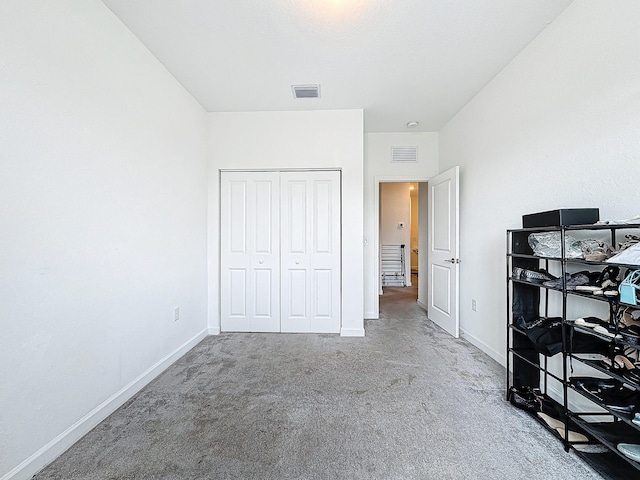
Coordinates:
<point>378,168</point>
<point>558,127</point>
<point>102,223</point>
<point>395,207</point>
<point>414,227</point>
<point>272,140</point>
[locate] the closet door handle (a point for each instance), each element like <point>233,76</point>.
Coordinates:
<point>297,262</point>
<point>451,260</point>
<point>260,262</point>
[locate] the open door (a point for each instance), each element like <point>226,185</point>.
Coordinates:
<point>444,247</point>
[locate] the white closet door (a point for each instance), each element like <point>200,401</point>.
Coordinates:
<point>310,251</point>
<point>250,252</point>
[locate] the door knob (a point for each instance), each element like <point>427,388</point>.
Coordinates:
<point>297,262</point>
<point>260,262</point>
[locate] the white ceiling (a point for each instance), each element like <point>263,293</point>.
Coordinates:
<point>399,60</point>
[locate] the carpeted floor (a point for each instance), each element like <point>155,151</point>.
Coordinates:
<point>405,402</point>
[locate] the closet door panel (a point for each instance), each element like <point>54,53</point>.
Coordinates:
<point>249,253</point>
<point>235,259</point>
<point>265,254</point>
<point>310,243</point>
<point>325,254</point>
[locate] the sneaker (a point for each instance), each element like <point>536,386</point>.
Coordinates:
<point>517,273</point>
<point>536,275</point>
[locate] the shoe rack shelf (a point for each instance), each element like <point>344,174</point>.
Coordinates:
<point>527,368</point>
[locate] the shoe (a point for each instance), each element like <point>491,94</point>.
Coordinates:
<point>607,331</point>
<point>631,371</point>
<point>636,419</point>
<point>615,365</point>
<point>517,273</point>
<point>631,334</point>
<point>609,392</point>
<point>629,316</point>
<point>526,398</point>
<point>632,353</point>
<point>630,450</point>
<point>605,284</point>
<point>596,386</point>
<point>552,422</point>
<point>595,251</point>
<point>573,436</point>
<point>609,277</point>
<point>624,401</point>
<point>587,322</point>
<point>594,324</point>
<point>535,275</point>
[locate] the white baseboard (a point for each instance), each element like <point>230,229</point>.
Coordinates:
<point>75,432</point>
<point>497,356</point>
<point>352,332</point>
<point>422,305</point>
<point>214,330</point>
<point>371,315</point>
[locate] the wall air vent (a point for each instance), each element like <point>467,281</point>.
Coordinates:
<point>404,154</point>
<point>306,91</point>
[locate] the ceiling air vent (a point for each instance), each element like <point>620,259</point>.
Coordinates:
<point>404,154</point>
<point>306,91</point>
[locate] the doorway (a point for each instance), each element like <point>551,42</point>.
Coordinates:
<point>402,221</point>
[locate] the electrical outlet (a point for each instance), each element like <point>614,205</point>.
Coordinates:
<point>474,305</point>
<point>176,314</point>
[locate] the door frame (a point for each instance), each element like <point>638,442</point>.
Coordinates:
<point>217,329</point>
<point>377,180</point>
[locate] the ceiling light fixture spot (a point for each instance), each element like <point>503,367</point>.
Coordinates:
<point>412,124</point>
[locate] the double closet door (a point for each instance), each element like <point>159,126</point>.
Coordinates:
<point>280,251</point>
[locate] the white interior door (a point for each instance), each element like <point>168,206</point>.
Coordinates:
<point>444,248</point>
<point>250,252</point>
<point>310,251</point>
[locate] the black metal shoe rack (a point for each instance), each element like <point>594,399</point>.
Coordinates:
<point>526,367</point>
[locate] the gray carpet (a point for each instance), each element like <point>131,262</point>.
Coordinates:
<point>405,402</point>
